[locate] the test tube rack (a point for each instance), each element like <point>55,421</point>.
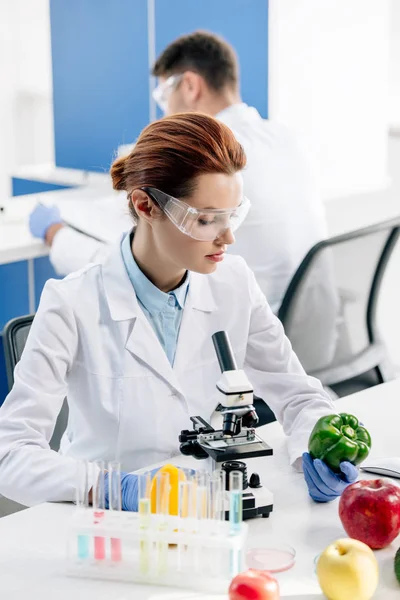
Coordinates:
<point>165,550</point>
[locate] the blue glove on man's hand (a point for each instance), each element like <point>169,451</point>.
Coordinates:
<point>41,218</point>
<point>129,490</point>
<point>323,484</point>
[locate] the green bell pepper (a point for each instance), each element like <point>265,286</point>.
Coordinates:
<point>336,438</point>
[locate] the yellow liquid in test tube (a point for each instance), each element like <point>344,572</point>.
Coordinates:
<point>144,523</point>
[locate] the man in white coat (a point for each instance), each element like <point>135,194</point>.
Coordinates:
<point>199,72</point>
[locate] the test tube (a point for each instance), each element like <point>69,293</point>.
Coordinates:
<point>235,515</point>
<point>144,509</point>
<point>215,501</point>
<point>236,501</point>
<point>186,499</point>
<point>202,481</point>
<point>82,502</point>
<point>222,477</point>
<point>98,496</point>
<point>201,511</point>
<point>218,560</point>
<point>186,511</point>
<point>162,509</point>
<point>162,493</point>
<point>115,504</point>
<point>190,474</point>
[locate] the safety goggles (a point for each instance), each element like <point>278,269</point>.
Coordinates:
<point>163,91</point>
<point>205,225</point>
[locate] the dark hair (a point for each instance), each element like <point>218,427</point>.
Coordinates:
<point>205,53</point>
<point>172,152</point>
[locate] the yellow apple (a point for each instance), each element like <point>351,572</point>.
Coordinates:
<point>348,570</point>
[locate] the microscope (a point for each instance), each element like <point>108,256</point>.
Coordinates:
<point>237,440</point>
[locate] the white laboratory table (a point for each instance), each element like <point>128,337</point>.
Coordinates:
<point>96,208</point>
<point>32,542</point>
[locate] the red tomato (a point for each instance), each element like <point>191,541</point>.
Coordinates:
<point>254,585</point>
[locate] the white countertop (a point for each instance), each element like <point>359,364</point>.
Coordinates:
<point>48,172</point>
<point>32,542</point>
<point>97,208</point>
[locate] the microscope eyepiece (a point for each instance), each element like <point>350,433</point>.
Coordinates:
<point>224,351</point>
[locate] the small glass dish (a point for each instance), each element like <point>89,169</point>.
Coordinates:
<point>274,558</point>
<point>316,559</point>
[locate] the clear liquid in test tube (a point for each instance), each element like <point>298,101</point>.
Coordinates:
<point>144,510</point>
<point>202,478</point>
<point>82,502</point>
<point>186,514</point>
<point>217,557</point>
<point>235,515</point>
<point>162,509</point>
<point>236,501</point>
<point>221,474</point>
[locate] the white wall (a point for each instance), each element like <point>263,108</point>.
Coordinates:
<point>26,121</point>
<point>394,89</point>
<point>329,82</point>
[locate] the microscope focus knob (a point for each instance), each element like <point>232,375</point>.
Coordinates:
<point>235,465</point>
<point>255,481</point>
<point>193,448</point>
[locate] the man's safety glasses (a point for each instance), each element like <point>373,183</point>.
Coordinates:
<point>205,225</point>
<point>162,92</point>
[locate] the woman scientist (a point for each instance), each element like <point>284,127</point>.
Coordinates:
<point>128,341</point>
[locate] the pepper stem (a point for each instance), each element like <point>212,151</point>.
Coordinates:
<point>348,432</point>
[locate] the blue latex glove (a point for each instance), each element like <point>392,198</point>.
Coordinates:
<point>323,484</point>
<point>129,490</point>
<point>41,218</point>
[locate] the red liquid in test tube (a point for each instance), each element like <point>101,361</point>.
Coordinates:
<point>115,504</point>
<point>99,541</point>
<point>98,508</point>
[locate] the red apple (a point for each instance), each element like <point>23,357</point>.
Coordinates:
<point>254,585</point>
<point>370,512</point>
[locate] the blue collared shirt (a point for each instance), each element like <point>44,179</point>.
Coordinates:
<point>163,311</point>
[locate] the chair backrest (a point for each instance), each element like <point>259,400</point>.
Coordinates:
<point>15,335</point>
<point>329,308</point>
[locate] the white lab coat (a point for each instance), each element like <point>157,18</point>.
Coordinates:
<point>286,217</point>
<point>91,342</point>
<point>72,250</point>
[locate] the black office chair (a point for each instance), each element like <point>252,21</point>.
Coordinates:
<point>15,334</point>
<point>329,308</point>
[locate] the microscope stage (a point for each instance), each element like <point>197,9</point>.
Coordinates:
<point>226,448</point>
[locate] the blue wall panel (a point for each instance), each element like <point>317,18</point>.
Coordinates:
<point>100,78</point>
<point>28,186</point>
<point>14,302</point>
<point>243,23</point>
<point>43,271</point>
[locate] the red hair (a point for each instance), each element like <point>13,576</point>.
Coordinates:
<point>172,152</point>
